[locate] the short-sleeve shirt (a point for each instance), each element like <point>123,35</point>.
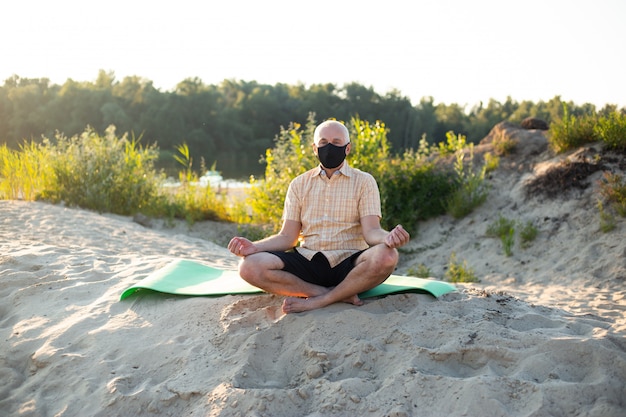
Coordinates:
<point>330,210</point>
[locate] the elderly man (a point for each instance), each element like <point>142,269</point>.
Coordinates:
<point>334,211</point>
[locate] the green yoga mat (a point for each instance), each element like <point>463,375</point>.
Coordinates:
<point>185,277</point>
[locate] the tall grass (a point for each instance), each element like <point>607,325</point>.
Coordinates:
<point>607,219</point>
<point>504,229</point>
<point>472,191</point>
<point>611,129</point>
<point>105,173</point>
<point>613,190</point>
<point>292,155</point>
<point>25,172</point>
<point>189,200</point>
<point>528,233</point>
<point>571,131</point>
<point>459,271</point>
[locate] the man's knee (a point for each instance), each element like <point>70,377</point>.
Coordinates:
<point>253,267</point>
<point>248,269</point>
<point>385,259</point>
<point>390,258</point>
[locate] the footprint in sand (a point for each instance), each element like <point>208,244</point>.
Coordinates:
<point>252,312</point>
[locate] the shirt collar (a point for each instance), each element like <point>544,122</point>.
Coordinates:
<point>344,170</point>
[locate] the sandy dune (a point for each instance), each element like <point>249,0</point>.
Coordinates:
<point>543,333</point>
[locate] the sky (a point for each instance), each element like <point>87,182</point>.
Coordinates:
<point>456,51</point>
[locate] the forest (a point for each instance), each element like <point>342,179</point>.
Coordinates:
<point>229,126</point>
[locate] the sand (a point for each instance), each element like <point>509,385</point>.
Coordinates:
<point>542,334</point>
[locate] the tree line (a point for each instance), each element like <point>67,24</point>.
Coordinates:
<point>232,124</point>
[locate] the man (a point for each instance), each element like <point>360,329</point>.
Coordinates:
<point>334,210</point>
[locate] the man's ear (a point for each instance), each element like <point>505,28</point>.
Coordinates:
<point>348,148</point>
<point>314,148</point>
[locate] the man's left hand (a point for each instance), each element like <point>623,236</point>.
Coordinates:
<point>397,237</point>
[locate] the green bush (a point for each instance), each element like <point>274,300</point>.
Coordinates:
<point>194,204</point>
<point>611,129</point>
<point>291,156</point>
<point>371,151</point>
<point>420,271</point>
<point>492,162</point>
<point>607,219</point>
<point>459,272</point>
<point>613,189</point>
<point>572,132</point>
<point>107,174</point>
<point>104,173</point>
<point>452,144</point>
<point>528,234</point>
<point>504,229</point>
<point>471,190</point>
<point>413,190</point>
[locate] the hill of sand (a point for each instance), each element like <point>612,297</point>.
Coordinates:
<point>542,333</point>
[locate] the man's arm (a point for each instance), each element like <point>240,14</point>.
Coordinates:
<point>375,235</point>
<point>284,240</point>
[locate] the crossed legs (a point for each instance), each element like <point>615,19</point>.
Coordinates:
<point>372,267</point>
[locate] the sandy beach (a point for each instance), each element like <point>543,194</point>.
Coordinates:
<point>543,333</point>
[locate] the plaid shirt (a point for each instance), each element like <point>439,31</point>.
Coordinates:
<point>330,210</point>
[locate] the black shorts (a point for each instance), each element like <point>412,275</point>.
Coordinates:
<point>316,271</point>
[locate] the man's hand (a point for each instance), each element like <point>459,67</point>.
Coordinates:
<point>241,246</point>
<point>397,237</point>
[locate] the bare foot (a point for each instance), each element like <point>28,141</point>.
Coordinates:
<point>298,305</point>
<point>354,300</point>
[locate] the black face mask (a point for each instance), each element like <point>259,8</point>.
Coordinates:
<point>331,156</point>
